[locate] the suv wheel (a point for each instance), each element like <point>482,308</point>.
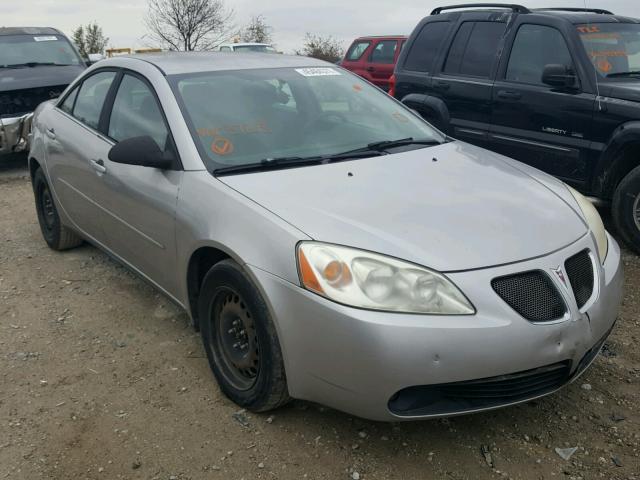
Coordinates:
<point>626,209</point>
<point>57,236</point>
<point>241,340</point>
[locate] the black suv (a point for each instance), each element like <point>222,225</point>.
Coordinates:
<point>558,89</point>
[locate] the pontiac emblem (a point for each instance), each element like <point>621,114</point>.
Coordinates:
<point>560,274</point>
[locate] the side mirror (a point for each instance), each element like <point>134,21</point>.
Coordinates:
<point>559,76</point>
<point>141,151</point>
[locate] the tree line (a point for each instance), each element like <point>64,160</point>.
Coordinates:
<point>188,25</point>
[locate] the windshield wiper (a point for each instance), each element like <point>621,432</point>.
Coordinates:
<point>401,142</point>
<point>287,162</point>
<point>623,74</point>
<point>36,64</point>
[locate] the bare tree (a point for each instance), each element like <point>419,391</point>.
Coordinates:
<point>324,48</point>
<point>189,24</point>
<point>90,39</point>
<point>257,31</point>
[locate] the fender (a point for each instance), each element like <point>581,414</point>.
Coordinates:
<point>432,109</point>
<point>611,166</point>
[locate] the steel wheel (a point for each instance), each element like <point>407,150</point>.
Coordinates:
<point>47,208</point>
<point>235,343</point>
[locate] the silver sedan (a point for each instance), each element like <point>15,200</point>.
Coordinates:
<point>329,244</point>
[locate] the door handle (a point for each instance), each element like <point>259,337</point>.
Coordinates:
<point>371,69</point>
<point>51,133</point>
<point>98,165</point>
<point>441,85</point>
<point>508,95</point>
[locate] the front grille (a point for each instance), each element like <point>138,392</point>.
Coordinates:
<point>489,392</point>
<point>25,101</point>
<point>532,294</point>
<point>580,272</point>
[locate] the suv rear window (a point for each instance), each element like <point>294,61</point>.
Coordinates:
<point>426,46</point>
<point>474,48</point>
<point>357,50</point>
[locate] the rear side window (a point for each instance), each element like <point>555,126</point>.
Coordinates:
<point>91,98</point>
<point>426,46</point>
<point>534,47</point>
<point>357,50</point>
<point>474,49</point>
<point>385,52</point>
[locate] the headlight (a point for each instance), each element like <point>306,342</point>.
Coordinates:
<point>592,217</point>
<point>377,282</point>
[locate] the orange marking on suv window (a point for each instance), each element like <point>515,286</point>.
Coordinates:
<point>588,29</point>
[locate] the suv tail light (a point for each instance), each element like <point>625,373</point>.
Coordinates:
<point>392,85</point>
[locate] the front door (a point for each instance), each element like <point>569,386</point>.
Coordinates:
<point>544,126</point>
<point>141,201</point>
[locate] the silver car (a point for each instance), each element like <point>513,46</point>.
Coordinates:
<point>329,244</point>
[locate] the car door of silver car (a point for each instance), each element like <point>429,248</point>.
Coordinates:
<point>73,145</point>
<point>141,201</point>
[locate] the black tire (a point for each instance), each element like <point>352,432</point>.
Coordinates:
<point>241,340</point>
<point>625,209</point>
<point>57,236</point>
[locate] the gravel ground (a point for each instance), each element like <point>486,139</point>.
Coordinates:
<point>102,378</point>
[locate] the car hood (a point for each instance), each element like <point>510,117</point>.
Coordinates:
<point>451,207</point>
<point>35,77</point>
<point>623,89</point>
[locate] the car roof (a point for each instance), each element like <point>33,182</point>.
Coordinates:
<point>378,37</point>
<point>245,44</point>
<point>29,31</point>
<point>572,15</point>
<point>175,63</point>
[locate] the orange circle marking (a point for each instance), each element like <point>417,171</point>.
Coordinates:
<point>222,146</point>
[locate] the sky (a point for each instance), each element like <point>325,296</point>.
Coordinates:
<point>123,20</point>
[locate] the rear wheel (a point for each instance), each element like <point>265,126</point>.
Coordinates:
<point>240,339</point>
<point>626,209</point>
<point>57,236</point>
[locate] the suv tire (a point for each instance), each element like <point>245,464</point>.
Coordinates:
<point>57,236</point>
<point>626,209</point>
<point>240,339</point>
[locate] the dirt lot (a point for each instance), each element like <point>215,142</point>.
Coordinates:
<point>102,378</point>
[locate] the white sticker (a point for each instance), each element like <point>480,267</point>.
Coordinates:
<point>49,38</point>
<point>317,72</point>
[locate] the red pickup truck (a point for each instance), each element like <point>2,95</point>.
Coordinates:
<point>374,58</point>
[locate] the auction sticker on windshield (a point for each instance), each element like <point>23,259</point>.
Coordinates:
<point>50,38</point>
<point>317,72</point>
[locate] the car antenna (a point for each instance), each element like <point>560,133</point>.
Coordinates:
<point>595,69</point>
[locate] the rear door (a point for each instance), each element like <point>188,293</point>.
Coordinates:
<point>465,78</point>
<point>380,62</point>
<point>544,126</point>
<point>73,146</point>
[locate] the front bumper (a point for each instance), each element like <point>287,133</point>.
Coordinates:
<point>14,133</point>
<point>358,360</point>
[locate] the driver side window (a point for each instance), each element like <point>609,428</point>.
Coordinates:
<point>136,113</point>
<point>535,47</point>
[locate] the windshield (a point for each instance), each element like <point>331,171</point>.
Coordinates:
<point>246,116</point>
<point>32,49</point>
<point>614,48</point>
<point>254,48</point>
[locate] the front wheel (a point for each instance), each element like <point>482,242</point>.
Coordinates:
<point>626,209</point>
<point>240,339</point>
